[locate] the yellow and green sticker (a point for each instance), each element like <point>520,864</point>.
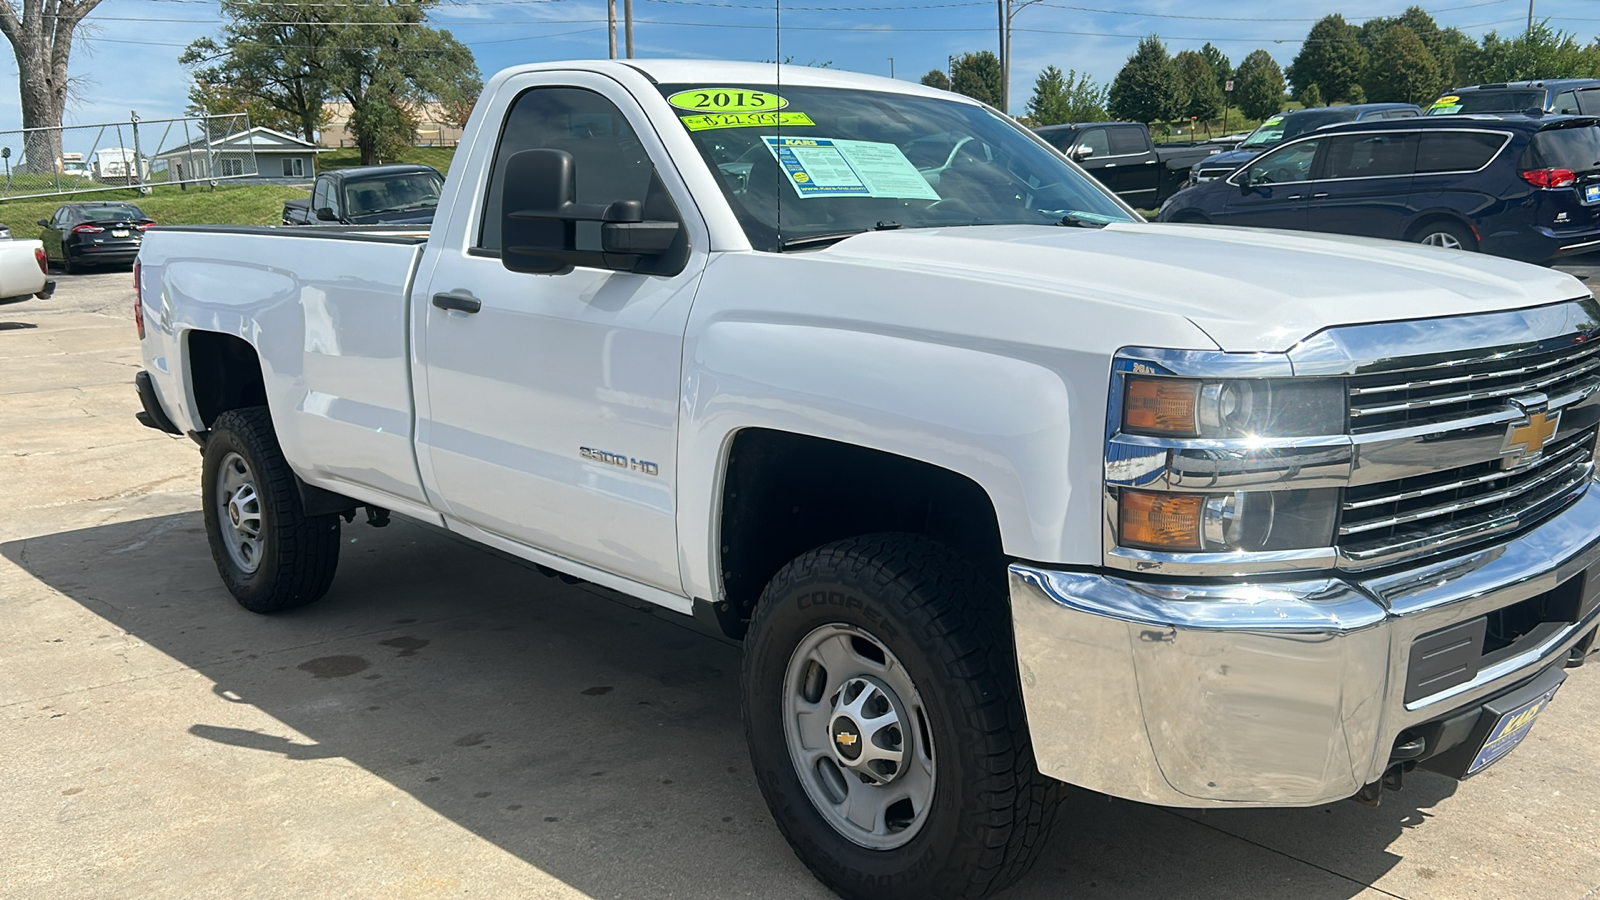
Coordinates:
<point>726,100</point>
<point>745,120</point>
<point>1446,101</point>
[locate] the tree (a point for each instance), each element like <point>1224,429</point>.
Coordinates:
<point>937,79</point>
<point>1311,96</point>
<point>1199,85</point>
<point>1219,64</point>
<point>380,57</point>
<point>1332,58</point>
<point>41,35</point>
<point>222,99</point>
<point>273,51</point>
<point>977,75</point>
<point>1059,98</point>
<point>1402,70</point>
<point>1540,52</point>
<point>1258,85</point>
<point>1149,87</point>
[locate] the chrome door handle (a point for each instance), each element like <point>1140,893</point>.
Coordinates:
<point>1149,162</point>
<point>1295,197</point>
<point>458,300</point>
<point>1319,196</point>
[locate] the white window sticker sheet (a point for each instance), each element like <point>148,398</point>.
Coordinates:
<point>832,167</point>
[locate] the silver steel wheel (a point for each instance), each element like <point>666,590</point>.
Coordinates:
<point>858,736</point>
<point>239,508</point>
<point>1442,239</point>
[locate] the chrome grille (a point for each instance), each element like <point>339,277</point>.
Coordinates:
<point>1453,506</point>
<point>1398,399</point>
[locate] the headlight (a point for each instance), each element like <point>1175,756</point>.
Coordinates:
<point>1239,521</point>
<point>1234,408</point>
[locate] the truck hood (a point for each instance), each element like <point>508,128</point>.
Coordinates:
<point>1248,289</point>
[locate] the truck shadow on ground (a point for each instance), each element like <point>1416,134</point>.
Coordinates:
<point>600,743</point>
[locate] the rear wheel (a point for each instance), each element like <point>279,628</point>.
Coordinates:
<point>270,554</point>
<point>1446,234</point>
<point>70,265</point>
<point>886,726</point>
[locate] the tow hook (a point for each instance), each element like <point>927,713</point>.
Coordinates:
<point>1393,779</point>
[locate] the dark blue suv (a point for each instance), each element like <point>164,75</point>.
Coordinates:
<point>1517,186</point>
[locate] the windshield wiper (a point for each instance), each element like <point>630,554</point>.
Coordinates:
<point>833,237</point>
<point>1080,220</point>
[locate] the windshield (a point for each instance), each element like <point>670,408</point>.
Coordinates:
<point>112,212</point>
<point>1487,102</point>
<point>1280,128</point>
<point>840,161</point>
<point>392,193</point>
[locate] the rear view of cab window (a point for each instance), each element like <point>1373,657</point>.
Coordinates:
<point>1456,151</point>
<point>1577,148</point>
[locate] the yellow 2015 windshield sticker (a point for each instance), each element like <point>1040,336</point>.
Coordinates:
<point>744,120</point>
<point>726,100</point>
<point>1446,101</point>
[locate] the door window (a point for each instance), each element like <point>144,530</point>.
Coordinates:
<point>1127,140</point>
<point>1456,151</point>
<point>610,162</point>
<point>1567,103</point>
<point>319,195</point>
<point>1284,166</point>
<point>1370,155</point>
<point>1095,140</point>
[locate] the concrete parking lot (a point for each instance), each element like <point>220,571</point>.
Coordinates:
<point>446,723</point>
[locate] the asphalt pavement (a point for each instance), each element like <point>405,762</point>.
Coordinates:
<point>447,723</point>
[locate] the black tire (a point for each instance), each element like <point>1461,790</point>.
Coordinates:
<point>1440,232</point>
<point>990,810</point>
<point>70,265</point>
<point>296,554</point>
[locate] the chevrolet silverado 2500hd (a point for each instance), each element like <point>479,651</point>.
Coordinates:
<point>1001,487</point>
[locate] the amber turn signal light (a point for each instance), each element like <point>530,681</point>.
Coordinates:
<point>1160,406</point>
<point>1153,521</point>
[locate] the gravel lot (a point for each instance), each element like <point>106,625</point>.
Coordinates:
<point>447,723</point>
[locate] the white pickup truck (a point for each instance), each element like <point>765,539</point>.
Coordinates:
<point>24,271</point>
<point>1002,487</point>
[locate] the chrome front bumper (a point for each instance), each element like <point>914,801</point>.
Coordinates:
<point>1274,693</point>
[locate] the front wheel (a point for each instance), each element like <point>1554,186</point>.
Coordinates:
<point>270,554</point>
<point>886,726</point>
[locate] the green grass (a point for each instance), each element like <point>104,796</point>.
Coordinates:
<point>242,204</point>
<point>345,157</point>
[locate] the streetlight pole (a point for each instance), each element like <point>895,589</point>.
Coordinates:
<point>627,19</point>
<point>891,60</point>
<point>611,26</point>
<point>1004,8</point>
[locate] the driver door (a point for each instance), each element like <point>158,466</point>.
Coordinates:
<point>1274,191</point>
<point>548,413</point>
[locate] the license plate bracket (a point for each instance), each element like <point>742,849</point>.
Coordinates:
<point>1591,193</point>
<point>1509,730</point>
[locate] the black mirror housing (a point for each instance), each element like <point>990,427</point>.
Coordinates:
<point>540,217</point>
<point>326,214</point>
<point>44,223</point>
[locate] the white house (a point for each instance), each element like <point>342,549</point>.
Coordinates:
<point>260,154</point>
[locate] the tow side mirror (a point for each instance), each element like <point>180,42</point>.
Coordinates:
<point>540,219</point>
<point>326,214</point>
<point>1082,152</point>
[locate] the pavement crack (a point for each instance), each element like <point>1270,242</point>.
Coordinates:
<point>1318,866</point>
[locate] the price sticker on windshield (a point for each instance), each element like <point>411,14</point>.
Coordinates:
<point>726,100</point>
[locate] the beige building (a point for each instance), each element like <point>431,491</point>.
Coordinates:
<point>433,126</point>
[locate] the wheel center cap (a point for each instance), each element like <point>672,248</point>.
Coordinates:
<point>846,738</point>
<point>233,512</point>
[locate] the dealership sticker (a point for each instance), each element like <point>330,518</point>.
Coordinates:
<point>726,100</point>
<point>744,120</point>
<point>834,167</point>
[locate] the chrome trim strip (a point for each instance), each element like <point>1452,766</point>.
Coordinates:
<point>1454,485</point>
<point>1459,379</point>
<point>1468,397</point>
<point>1319,133</point>
<point>1445,509</point>
<point>1211,363</point>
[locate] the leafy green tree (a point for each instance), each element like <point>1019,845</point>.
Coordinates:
<point>1540,52</point>
<point>225,99</point>
<point>1402,69</point>
<point>1059,98</point>
<point>977,75</point>
<point>1219,63</point>
<point>1332,58</point>
<point>1200,85</point>
<point>1311,96</point>
<point>1458,58</point>
<point>937,79</point>
<point>1258,85</point>
<point>1149,88</point>
<point>380,56</point>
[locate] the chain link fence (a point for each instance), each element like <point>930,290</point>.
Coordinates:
<point>138,153</point>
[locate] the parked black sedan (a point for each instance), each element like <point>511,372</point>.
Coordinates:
<point>105,233</point>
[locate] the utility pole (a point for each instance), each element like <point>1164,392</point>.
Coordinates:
<point>1530,17</point>
<point>611,26</point>
<point>1005,53</point>
<point>891,63</point>
<point>627,26</point>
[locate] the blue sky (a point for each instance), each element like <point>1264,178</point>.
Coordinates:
<point>127,59</point>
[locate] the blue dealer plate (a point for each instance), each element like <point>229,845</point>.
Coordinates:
<point>1509,731</point>
<point>1591,193</point>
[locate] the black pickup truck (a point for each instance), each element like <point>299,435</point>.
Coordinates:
<point>369,195</point>
<point>1122,156</point>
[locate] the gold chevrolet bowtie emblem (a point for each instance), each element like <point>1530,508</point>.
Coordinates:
<point>1530,437</point>
<point>846,738</point>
